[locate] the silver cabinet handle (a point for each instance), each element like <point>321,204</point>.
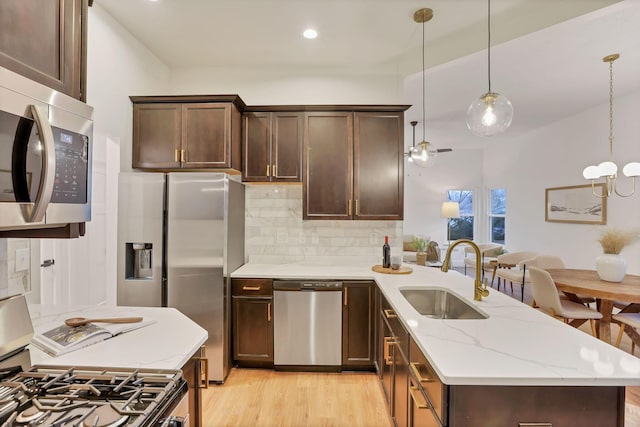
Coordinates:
<point>48,164</point>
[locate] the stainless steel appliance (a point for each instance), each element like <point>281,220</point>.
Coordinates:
<point>45,155</point>
<point>16,332</point>
<point>307,323</point>
<point>180,235</point>
<point>51,396</point>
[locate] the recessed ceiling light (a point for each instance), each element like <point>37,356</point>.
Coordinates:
<point>310,33</point>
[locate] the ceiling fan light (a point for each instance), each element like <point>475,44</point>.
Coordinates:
<point>489,114</point>
<point>631,169</point>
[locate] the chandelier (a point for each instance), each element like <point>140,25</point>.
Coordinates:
<point>608,169</point>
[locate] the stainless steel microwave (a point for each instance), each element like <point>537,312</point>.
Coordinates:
<point>45,155</point>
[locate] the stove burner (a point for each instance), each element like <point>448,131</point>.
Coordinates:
<point>30,414</point>
<point>105,416</point>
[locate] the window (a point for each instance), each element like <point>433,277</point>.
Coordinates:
<point>497,212</point>
<point>461,228</point>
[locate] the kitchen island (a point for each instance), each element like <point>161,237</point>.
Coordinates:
<point>516,360</point>
<point>171,342</point>
<point>168,343</point>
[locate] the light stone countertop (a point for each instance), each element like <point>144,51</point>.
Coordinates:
<point>516,345</point>
<point>168,343</point>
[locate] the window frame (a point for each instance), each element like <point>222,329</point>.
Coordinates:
<point>472,215</point>
<point>491,215</point>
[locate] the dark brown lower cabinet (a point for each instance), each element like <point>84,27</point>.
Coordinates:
<point>252,322</point>
<point>358,324</point>
<point>394,366</point>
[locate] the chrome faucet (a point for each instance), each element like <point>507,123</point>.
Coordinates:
<point>479,290</point>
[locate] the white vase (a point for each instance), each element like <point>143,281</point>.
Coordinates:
<point>611,267</point>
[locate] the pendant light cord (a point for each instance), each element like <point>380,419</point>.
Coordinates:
<point>424,137</point>
<point>489,43</point>
<point>611,110</point>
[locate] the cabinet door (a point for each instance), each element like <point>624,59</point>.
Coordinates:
<point>378,166</point>
<point>206,135</point>
<point>420,414</point>
<point>286,147</point>
<point>252,330</point>
<point>256,147</point>
<point>400,387</point>
<point>385,346</point>
<point>357,325</point>
<point>156,135</point>
<point>45,41</point>
<point>328,166</point>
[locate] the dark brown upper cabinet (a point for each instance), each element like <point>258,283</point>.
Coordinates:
<point>45,41</point>
<point>187,132</point>
<point>353,164</point>
<point>272,146</point>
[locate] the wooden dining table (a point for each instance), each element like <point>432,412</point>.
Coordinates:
<point>575,283</point>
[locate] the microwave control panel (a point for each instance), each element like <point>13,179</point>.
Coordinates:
<point>72,166</point>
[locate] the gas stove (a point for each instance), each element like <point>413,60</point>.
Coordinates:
<point>89,396</point>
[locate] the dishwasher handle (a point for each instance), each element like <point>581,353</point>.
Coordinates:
<point>306,285</point>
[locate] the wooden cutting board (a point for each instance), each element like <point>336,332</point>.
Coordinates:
<point>402,270</point>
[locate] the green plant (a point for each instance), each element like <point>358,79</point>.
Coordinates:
<point>613,240</point>
<point>421,244</point>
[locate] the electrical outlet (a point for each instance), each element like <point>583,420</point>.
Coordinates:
<point>22,259</point>
<point>282,237</point>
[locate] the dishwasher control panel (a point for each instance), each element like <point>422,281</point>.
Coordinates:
<point>306,285</point>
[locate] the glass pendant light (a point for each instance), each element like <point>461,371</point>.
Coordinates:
<point>491,113</point>
<point>419,154</point>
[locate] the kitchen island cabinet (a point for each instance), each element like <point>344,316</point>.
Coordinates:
<point>517,365</point>
<point>46,41</point>
<point>187,132</point>
<point>343,156</point>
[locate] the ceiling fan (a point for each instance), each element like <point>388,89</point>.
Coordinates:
<point>421,153</point>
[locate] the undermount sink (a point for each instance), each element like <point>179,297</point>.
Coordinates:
<point>440,303</point>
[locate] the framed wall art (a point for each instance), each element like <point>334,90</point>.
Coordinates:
<point>576,204</point>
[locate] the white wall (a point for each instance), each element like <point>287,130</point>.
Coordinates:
<point>554,156</point>
<point>426,188</point>
<point>287,87</point>
<point>118,66</point>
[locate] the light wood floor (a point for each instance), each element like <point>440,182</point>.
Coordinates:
<point>267,398</point>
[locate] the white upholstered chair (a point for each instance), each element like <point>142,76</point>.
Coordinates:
<point>488,253</point>
<point>546,262</point>
<point>631,320</point>
<point>548,300</point>
<point>512,267</point>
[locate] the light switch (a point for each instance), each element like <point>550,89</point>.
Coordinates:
<point>22,259</point>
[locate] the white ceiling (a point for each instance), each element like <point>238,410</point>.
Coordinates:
<point>546,55</point>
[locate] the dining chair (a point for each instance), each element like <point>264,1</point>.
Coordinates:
<point>512,267</point>
<point>547,262</point>
<point>631,320</point>
<point>548,300</point>
<point>487,251</point>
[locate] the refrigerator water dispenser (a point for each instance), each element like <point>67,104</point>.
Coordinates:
<point>138,260</point>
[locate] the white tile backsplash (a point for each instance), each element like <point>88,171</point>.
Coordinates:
<point>276,234</point>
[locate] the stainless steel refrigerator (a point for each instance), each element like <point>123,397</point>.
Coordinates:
<point>180,235</point>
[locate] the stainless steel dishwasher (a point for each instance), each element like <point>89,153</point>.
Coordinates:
<point>307,323</point>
